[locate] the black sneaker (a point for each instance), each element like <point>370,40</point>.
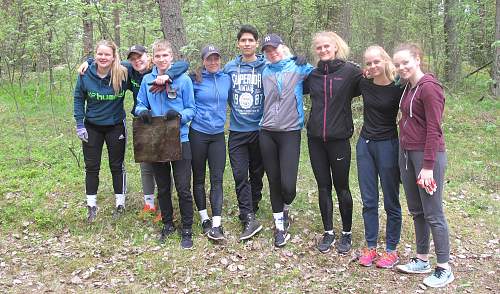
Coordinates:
<point>168,229</point>
<point>345,243</point>
<point>186,239</point>
<point>251,227</point>
<point>206,225</point>
<point>326,243</point>
<point>286,219</point>
<point>280,238</point>
<point>91,214</point>
<point>216,233</point>
<point>119,211</point>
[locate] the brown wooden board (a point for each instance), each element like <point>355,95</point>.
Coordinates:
<point>158,142</point>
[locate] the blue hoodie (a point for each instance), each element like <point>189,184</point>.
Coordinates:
<point>160,104</point>
<point>283,87</point>
<point>95,100</point>
<point>247,94</point>
<point>210,97</point>
<point>135,77</point>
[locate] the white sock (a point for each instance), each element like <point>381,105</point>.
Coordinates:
<point>278,221</point>
<point>149,200</point>
<point>92,200</point>
<point>346,233</point>
<point>203,215</point>
<point>329,232</point>
<point>120,199</point>
<point>216,221</point>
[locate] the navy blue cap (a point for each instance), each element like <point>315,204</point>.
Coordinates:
<point>209,50</point>
<point>139,49</point>
<point>271,40</point>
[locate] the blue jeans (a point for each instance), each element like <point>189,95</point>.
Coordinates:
<point>379,159</point>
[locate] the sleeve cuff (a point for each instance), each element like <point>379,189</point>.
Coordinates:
<point>428,164</point>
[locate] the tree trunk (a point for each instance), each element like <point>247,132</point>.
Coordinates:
<point>496,63</point>
<point>379,31</point>
<point>88,28</point>
<point>116,22</point>
<point>172,24</point>
<point>452,64</point>
<point>340,16</point>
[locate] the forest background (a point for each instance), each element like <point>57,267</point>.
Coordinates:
<point>44,242</point>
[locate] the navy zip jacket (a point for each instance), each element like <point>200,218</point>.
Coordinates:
<point>95,100</point>
<point>210,97</point>
<point>332,85</point>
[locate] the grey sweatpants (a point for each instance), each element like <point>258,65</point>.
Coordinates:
<point>148,178</point>
<point>426,210</point>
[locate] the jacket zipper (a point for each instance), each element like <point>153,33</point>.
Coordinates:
<point>324,110</point>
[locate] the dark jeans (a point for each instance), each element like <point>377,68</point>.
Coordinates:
<point>115,138</point>
<point>426,210</point>
<point>379,159</point>
<point>281,152</point>
<point>211,148</point>
<point>182,179</point>
<point>248,170</point>
<point>330,162</point>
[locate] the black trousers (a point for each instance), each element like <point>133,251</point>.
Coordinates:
<point>182,179</point>
<point>211,148</point>
<point>248,170</point>
<point>281,152</point>
<point>330,162</point>
<point>115,137</point>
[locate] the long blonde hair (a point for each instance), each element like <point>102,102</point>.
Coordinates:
<point>389,68</point>
<point>119,73</point>
<point>342,47</point>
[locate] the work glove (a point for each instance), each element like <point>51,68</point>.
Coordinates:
<point>299,59</point>
<point>81,132</point>
<point>146,116</point>
<point>172,114</point>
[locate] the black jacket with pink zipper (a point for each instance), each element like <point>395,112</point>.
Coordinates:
<point>422,108</point>
<point>331,86</point>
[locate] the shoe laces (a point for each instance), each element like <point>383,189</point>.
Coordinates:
<point>388,255</point>
<point>367,251</point>
<point>438,272</point>
<point>346,239</point>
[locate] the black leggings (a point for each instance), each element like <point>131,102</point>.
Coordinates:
<point>212,148</point>
<point>331,161</point>
<point>115,138</point>
<point>280,154</point>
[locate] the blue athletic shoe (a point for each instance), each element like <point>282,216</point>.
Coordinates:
<point>439,278</point>
<point>415,266</point>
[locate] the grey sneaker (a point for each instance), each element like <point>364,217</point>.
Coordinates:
<point>345,243</point>
<point>91,214</point>
<point>439,278</point>
<point>251,227</point>
<point>280,238</point>
<point>119,211</point>
<point>206,225</point>
<point>415,266</point>
<point>216,233</point>
<point>326,243</point>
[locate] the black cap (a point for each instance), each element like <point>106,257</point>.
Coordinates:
<point>209,50</point>
<point>271,40</point>
<point>136,49</point>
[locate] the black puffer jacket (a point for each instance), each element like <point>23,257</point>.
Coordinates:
<point>332,85</point>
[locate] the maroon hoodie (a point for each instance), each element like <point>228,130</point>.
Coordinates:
<point>422,112</point>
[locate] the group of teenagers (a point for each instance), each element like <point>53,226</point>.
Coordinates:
<point>264,93</point>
